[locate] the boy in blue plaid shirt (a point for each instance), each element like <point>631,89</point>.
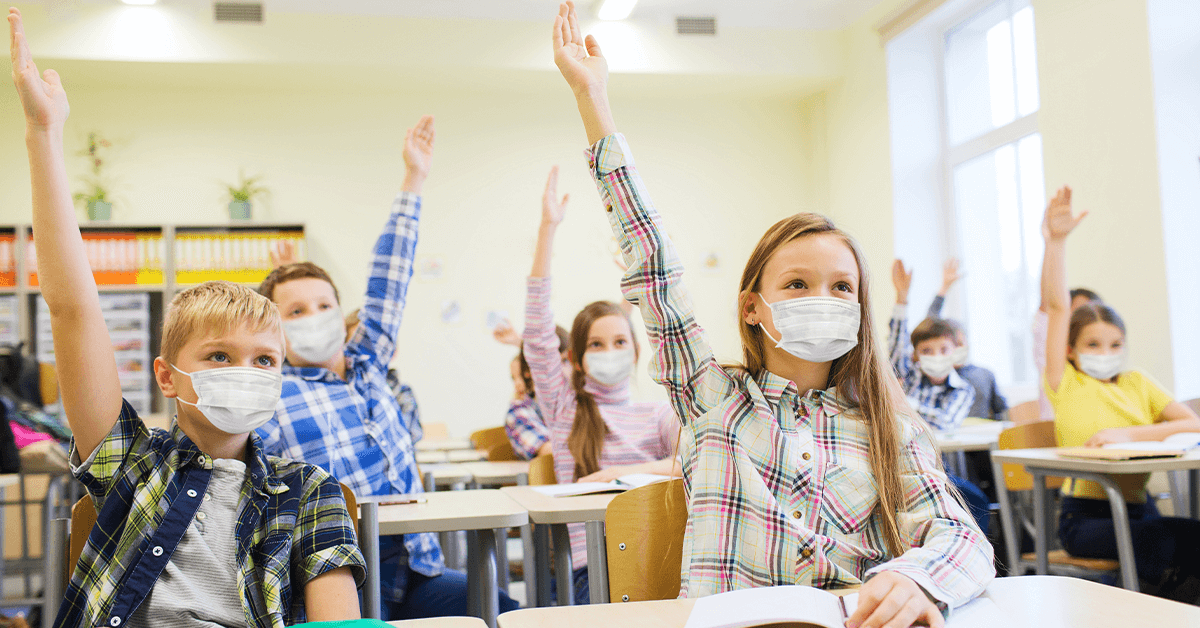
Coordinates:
<point>196,526</point>
<point>338,409</point>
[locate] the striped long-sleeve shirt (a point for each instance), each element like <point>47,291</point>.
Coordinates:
<point>637,431</point>
<point>943,406</point>
<point>779,484</point>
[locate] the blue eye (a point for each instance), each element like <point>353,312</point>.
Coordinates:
<point>843,286</point>
<point>266,360</point>
<point>218,357</point>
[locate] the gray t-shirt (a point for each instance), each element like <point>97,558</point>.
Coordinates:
<point>199,586</point>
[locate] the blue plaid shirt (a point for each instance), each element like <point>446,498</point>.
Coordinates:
<point>943,406</point>
<point>354,428</point>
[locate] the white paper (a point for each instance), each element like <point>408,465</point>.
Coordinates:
<point>980,612</point>
<point>1182,440</point>
<point>764,606</point>
<point>579,488</point>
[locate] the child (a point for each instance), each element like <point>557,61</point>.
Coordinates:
<point>803,466</point>
<point>523,423</point>
<point>1041,321</point>
<point>933,387</point>
<point>989,402</point>
<point>597,433</point>
<point>1097,401</point>
<point>197,522</point>
<point>338,409</point>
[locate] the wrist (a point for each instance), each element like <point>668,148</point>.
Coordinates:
<point>548,227</point>
<point>902,300</point>
<point>41,133</point>
<point>414,181</point>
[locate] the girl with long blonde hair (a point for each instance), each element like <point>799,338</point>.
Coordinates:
<point>804,464</point>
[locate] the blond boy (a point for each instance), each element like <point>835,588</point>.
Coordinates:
<point>196,526</point>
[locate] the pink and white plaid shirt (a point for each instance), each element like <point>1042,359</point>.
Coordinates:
<point>779,485</point>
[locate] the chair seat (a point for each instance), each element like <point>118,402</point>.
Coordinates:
<point>1061,557</point>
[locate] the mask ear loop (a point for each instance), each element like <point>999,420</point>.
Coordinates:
<point>181,399</point>
<point>778,343</point>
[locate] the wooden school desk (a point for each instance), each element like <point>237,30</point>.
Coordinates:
<point>440,622</point>
<point>452,455</point>
<point>1045,462</point>
<point>1024,601</point>
<point>447,444</point>
<point>969,437</point>
<point>473,511</point>
<point>492,474</point>
<point>557,512</point>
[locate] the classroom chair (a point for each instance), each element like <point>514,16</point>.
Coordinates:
<point>1025,413</point>
<point>541,470</point>
<point>83,519</point>
<point>1013,481</point>
<point>644,535</point>
<point>494,441</point>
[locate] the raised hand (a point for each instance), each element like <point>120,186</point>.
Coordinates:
<point>950,274</point>
<point>902,279</point>
<point>42,95</point>
<point>418,153</point>
<point>505,334</point>
<point>579,59</point>
<point>1060,221</point>
<point>553,208</point>
<point>283,253</point>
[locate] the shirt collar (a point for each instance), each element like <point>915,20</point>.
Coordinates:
<point>258,466</point>
<point>774,387</point>
<point>605,393</point>
<point>954,380</point>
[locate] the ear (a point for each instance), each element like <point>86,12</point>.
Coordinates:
<point>749,308</point>
<point>164,375</point>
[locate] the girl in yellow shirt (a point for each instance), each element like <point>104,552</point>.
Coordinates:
<point>1096,402</point>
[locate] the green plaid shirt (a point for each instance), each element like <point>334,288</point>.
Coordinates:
<point>292,524</point>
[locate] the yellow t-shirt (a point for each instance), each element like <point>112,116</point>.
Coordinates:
<point>1084,405</point>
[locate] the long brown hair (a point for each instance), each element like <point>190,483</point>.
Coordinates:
<point>1088,313</point>
<point>589,430</point>
<point>862,378</point>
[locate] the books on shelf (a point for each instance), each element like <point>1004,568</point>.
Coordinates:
<point>243,256</point>
<point>619,485</point>
<point>9,320</point>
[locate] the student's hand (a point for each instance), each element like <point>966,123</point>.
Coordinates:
<point>892,600</point>
<point>506,335</point>
<point>418,154</point>
<point>579,59</point>
<point>950,275</point>
<point>553,209</point>
<point>1060,221</point>
<point>609,474</point>
<point>902,279</point>
<point>42,95</point>
<point>1110,435</point>
<point>283,253</point>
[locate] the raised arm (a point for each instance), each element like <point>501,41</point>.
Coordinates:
<point>87,368</point>
<point>392,257</point>
<point>899,343</point>
<point>683,361</point>
<point>1056,302</point>
<point>950,275</point>
<point>550,380</point>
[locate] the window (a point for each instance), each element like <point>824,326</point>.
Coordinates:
<point>993,161</point>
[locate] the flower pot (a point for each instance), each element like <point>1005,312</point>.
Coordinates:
<point>99,210</point>
<point>239,210</point>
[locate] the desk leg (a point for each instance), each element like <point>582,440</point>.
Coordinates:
<point>1120,517</point>
<point>483,594</point>
<point>541,551</point>
<point>533,579</point>
<point>1194,492</point>
<point>563,572</point>
<point>1040,522</point>
<point>502,574</point>
<point>597,554</point>
<point>52,547</point>
<point>368,542</point>
<point>1008,525</point>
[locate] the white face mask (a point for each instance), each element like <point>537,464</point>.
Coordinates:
<point>609,367</point>
<point>1102,366</point>
<point>235,399</point>
<point>936,366</point>
<point>317,337</point>
<point>960,355</point>
<point>816,329</point>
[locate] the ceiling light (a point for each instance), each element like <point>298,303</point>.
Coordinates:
<point>615,9</point>
<point>140,2</point>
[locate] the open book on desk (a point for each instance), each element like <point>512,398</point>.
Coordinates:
<point>807,606</point>
<point>619,485</point>
<point>1182,441</point>
<point>1172,446</point>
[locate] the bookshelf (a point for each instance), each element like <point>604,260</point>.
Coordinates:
<point>138,270</point>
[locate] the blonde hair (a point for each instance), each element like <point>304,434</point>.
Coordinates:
<point>861,377</point>
<point>216,306</point>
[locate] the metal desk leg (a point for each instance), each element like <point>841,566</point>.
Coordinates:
<point>52,547</point>
<point>532,579</point>
<point>540,587</point>
<point>597,555</point>
<point>1008,525</point>
<point>502,558</point>
<point>1124,536</point>
<point>563,572</point>
<point>1040,523</point>
<point>1194,492</point>
<point>368,542</point>
<point>483,594</point>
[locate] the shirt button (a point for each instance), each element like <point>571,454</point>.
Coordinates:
<point>157,551</point>
<point>115,621</point>
<point>797,514</point>
<point>191,492</point>
<point>208,497</point>
<point>806,455</point>
<point>805,553</point>
<point>200,516</point>
<point>200,460</point>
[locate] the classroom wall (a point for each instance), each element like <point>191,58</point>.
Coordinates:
<point>721,168</point>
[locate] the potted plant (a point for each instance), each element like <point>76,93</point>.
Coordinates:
<point>241,196</point>
<point>96,196</point>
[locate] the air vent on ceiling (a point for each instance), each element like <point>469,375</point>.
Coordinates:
<point>696,25</point>
<point>238,12</point>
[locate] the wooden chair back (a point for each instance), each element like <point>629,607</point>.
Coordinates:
<point>644,529</point>
<point>83,519</point>
<point>1028,436</point>
<point>494,441</point>
<point>541,470</point>
<point>1025,413</point>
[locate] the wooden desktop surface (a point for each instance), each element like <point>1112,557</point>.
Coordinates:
<point>504,472</point>
<point>440,622</point>
<point>544,509</point>
<point>1048,457</point>
<point>448,511</point>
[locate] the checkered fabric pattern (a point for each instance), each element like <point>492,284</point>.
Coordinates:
<point>943,406</point>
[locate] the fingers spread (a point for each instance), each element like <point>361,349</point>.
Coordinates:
<point>593,46</point>
<point>552,181</point>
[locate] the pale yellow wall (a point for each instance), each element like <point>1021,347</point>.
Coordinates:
<point>721,170</point>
